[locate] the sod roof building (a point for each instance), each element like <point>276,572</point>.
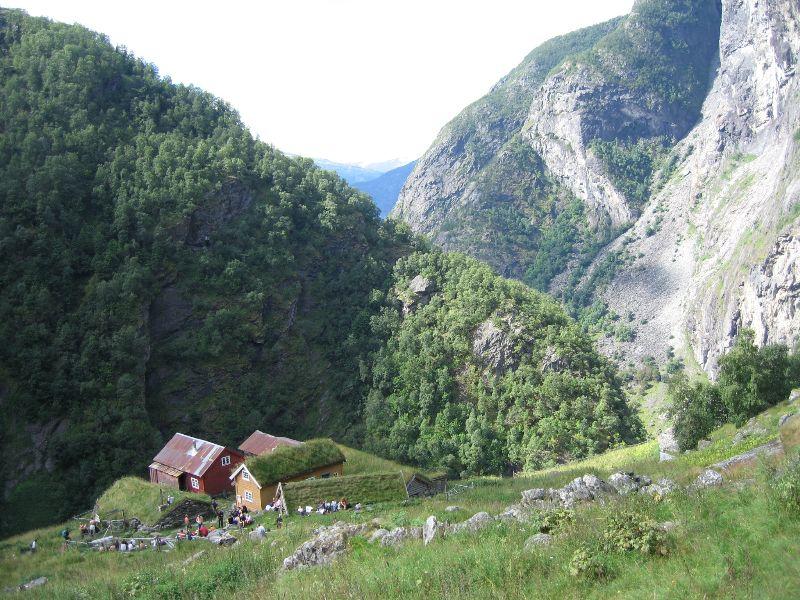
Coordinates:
<point>256,480</point>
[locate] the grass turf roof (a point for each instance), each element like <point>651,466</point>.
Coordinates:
<point>287,461</point>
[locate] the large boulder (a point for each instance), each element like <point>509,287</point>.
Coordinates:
<point>537,541</point>
<point>396,536</point>
<point>708,478</point>
<point>474,523</point>
<point>378,535</point>
<point>627,483</point>
<point>328,543</point>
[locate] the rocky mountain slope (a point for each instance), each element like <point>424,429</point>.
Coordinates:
<point>671,142</point>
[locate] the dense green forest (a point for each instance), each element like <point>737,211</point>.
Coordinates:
<point>531,392</point>
<point>163,270</point>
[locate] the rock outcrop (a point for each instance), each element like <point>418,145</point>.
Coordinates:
<point>327,544</point>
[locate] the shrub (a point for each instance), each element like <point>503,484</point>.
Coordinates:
<point>585,563</point>
<point>629,531</point>
<point>752,379</point>
<point>784,488</point>
<point>696,409</point>
<point>552,520</point>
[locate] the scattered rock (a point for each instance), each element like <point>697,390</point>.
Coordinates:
<point>474,523</point>
<point>538,540</point>
<point>515,512</point>
<point>746,458</point>
<point>668,526</point>
<point>626,483</point>
<point>794,396</point>
<point>534,495</point>
<point>581,489</point>
<point>751,428</point>
<point>33,583</point>
<point>660,488</point>
<point>328,543</point>
<point>395,537</point>
<point>706,479</point>
<point>430,529</point>
<point>784,418</point>
<point>668,445</point>
<point>378,535</point>
<point>703,444</point>
<point>452,509</point>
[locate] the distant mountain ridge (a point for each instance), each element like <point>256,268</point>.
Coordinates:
<point>385,189</point>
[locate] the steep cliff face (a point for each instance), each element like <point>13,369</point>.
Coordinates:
<point>674,141</point>
<point>449,175</point>
<point>716,248</point>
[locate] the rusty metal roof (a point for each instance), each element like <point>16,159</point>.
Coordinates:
<point>188,454</point>
<point>260,443</point>
<point>166,469</point>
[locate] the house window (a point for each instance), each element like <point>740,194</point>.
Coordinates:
<point>195,483</point>
<point>245,475</point>
<point>248,496</point>
<point>226,460</point>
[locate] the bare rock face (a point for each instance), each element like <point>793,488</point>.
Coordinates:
<point>420,291</point>
<point>494,348</point>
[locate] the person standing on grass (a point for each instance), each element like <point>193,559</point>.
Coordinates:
<point>220,519</point>
<point>186,522</point>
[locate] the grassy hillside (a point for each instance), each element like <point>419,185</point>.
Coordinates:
<point>729,542</point>
<point>141,499</point>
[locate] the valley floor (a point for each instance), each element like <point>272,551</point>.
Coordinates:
<point>728,542</point>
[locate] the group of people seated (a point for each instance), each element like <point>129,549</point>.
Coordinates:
<point>123,545</point>
<point>275,505</point>
<point>324,507</point>
<point>240,515</point>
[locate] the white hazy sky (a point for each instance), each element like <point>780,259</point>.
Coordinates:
<point>349,80</point>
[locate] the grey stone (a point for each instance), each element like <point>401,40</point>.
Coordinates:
<point>395,537</point>
<point>327,544</point>
<point>751,457</point>
<point>430,529</point>
<point>494,348</point>
<point>668,443</point>
<point>708,478</point>
<point>794,396</point>
<point>660,488</point>
<point>474,523</point>
<point>534,494</point>
<point>39,581</point>
<point>668,526</point>
<point>514,512</point>
<point>378,535</point>
<point>784,418</point>
<point>537,541</point>
<point>703,444</point>
<point>452,509</point>
<point>623,483</point>
<point>751,428</point>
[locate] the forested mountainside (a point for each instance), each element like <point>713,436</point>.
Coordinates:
<point>163,270</point>
<point>645,170</point>
<point>385,189</point>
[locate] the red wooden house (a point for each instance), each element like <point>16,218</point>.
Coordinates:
<point>195,465</point>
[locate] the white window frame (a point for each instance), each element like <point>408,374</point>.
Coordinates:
<point>195,483</point>
<point>248,496</point>
<point>245,475</point>
<point>226,460</point>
